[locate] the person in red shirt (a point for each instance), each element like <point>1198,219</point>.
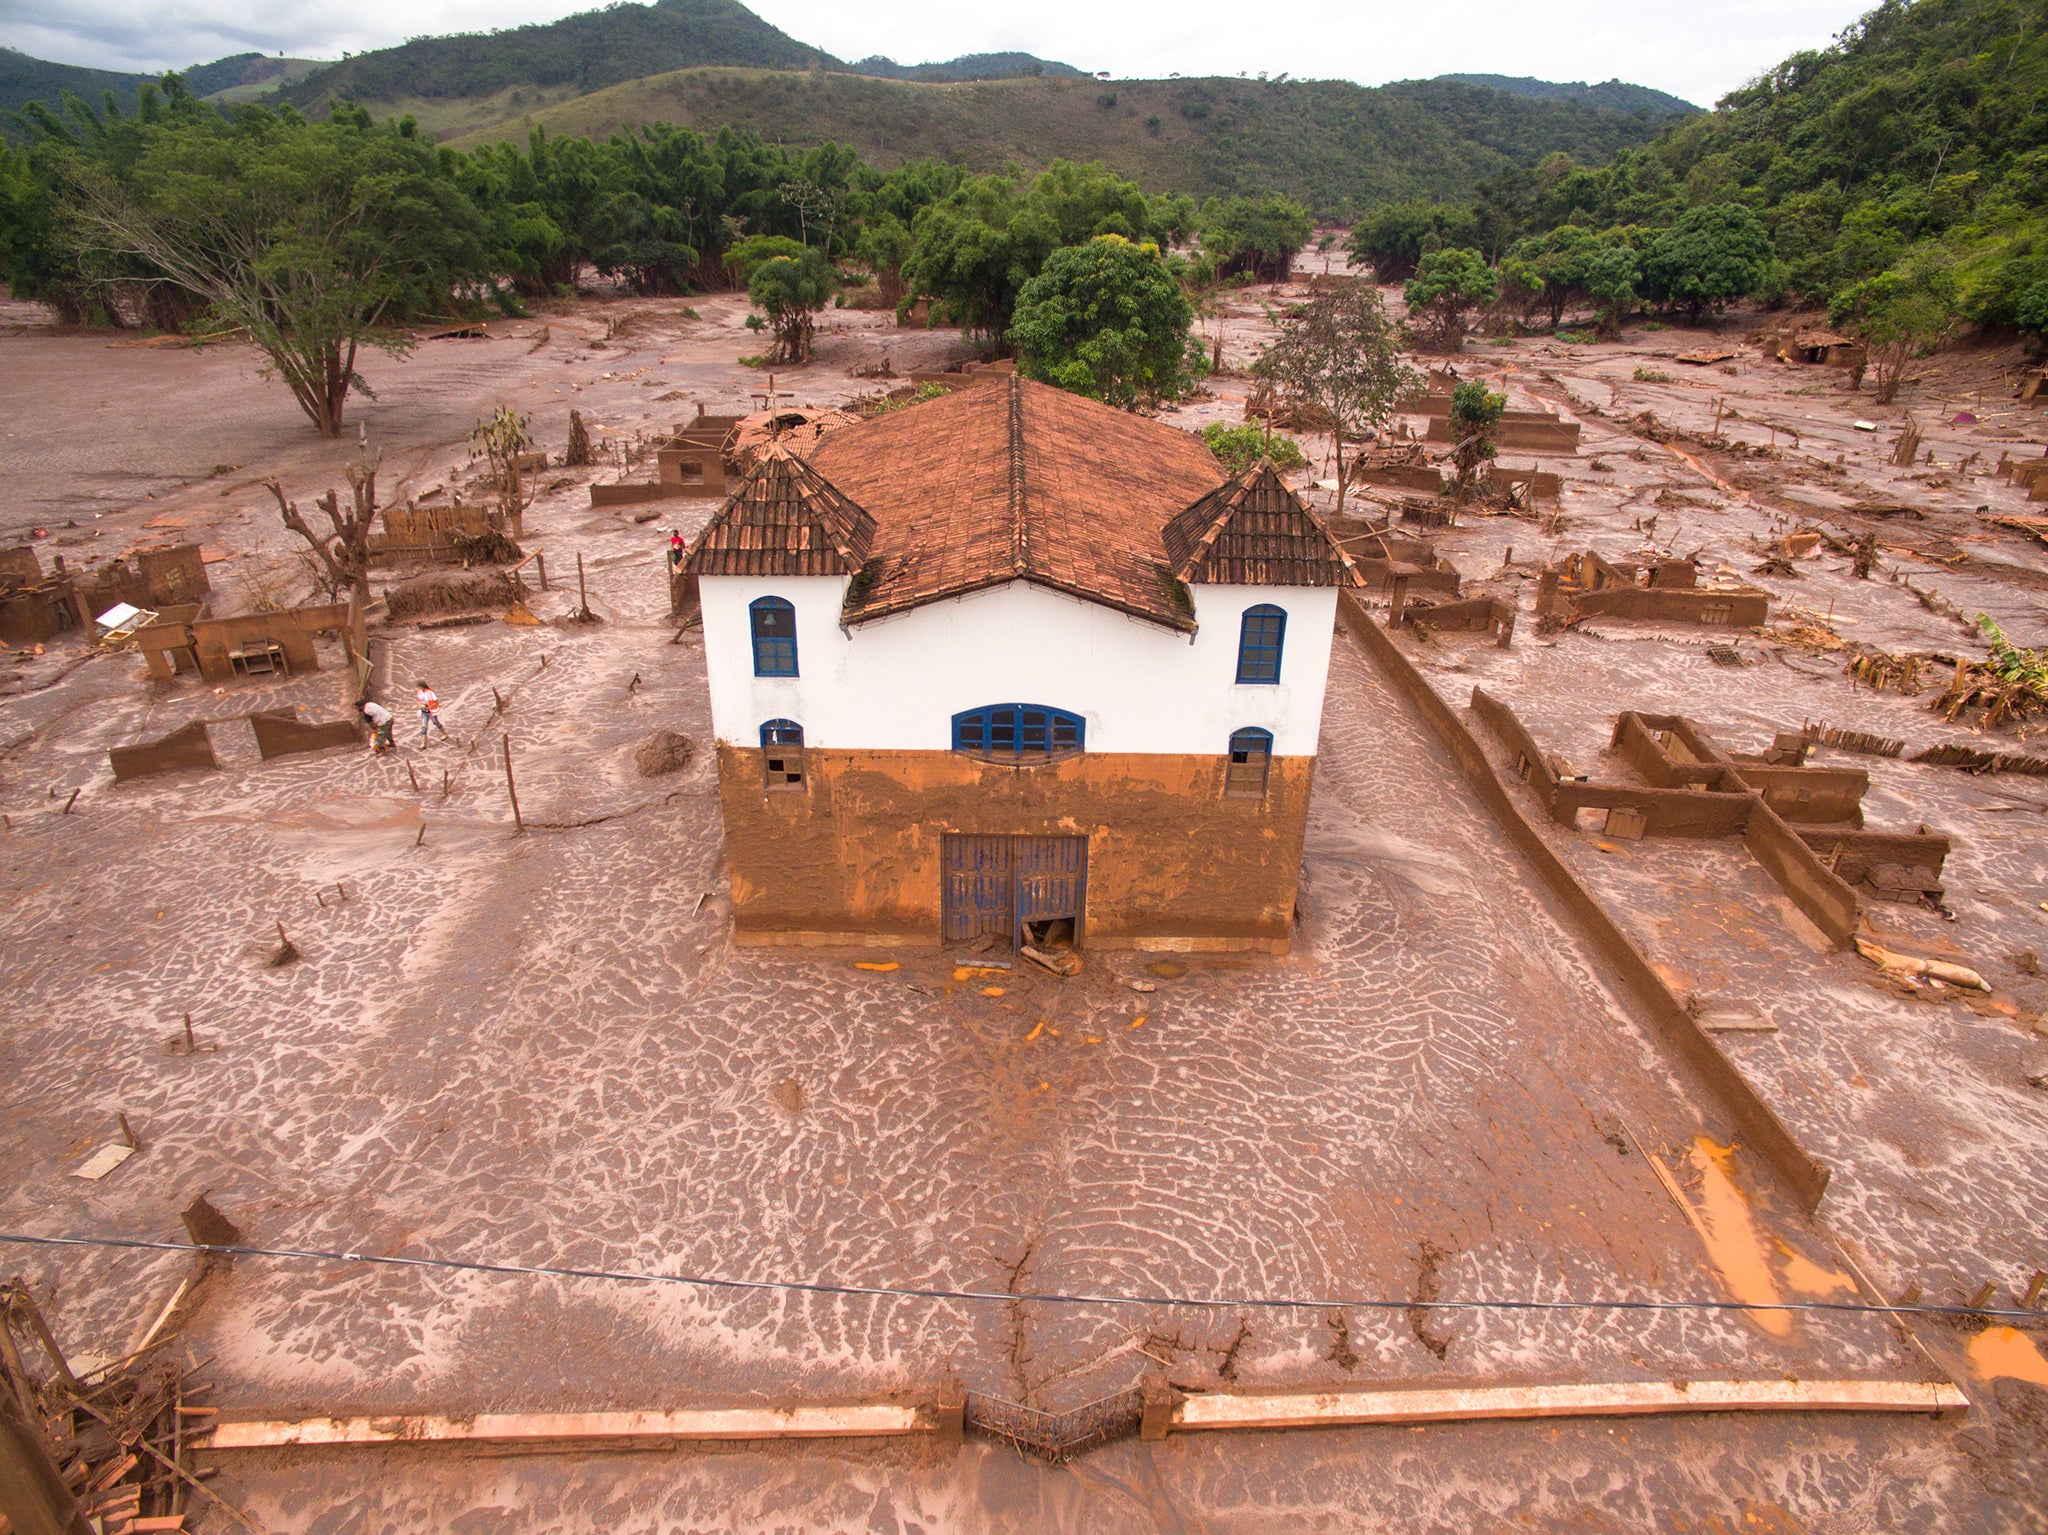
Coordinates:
<point>430,712</point>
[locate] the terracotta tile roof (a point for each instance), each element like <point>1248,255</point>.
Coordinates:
<point>1254,531</point>
<point>784,520</point>
<point>1014,480</point>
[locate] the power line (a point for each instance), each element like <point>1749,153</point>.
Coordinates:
<point>1053,1298</point>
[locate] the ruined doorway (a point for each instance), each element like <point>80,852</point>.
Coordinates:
<point>1014,888</point>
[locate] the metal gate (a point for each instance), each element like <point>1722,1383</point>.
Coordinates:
<point>995,884</point>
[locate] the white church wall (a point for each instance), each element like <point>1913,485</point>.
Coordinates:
<point>896,683</point>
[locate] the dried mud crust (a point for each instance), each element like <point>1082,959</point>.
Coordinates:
<point>542,1049</point>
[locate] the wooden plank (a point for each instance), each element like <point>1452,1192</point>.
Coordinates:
<point>855,1422</point>
<point>1601,1399</point>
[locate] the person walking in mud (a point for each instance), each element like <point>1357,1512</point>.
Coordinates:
<point>380,726</point>
<point>430,712</point>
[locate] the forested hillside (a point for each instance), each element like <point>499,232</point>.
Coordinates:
<point>23,79</point>
<point>586,52</point>
<point>1338,147</point>
<point>1900,176</point>
<point>1614,95</point>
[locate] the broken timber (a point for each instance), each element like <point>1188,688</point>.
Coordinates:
<point>539,1428</point>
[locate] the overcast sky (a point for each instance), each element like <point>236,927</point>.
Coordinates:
<point>1697,50</point>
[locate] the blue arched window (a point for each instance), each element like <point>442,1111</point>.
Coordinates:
<point>782,753</point>
<point>1259,642</point>
<point>1251,755</point>
<point>774,626</point>
<point>1018,732</point>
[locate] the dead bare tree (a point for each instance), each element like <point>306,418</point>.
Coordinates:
<point>577,454</point>
<point>344,553</point>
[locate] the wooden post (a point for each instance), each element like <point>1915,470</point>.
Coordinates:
<point>72,801</point>
<point>511,788</point>
<point>422,837</point>
<point>582,594</point>
<point>540,564</point>
<point>409,773</point>
<point>190,1043</point>
<point>444,783</point>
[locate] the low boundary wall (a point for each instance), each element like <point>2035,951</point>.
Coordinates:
<point>1754,1118</point>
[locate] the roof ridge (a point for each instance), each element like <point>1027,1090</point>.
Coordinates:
<point>1020,537</point>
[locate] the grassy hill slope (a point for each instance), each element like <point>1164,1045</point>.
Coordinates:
<point>1615,95</point>
<point>1335,145</point>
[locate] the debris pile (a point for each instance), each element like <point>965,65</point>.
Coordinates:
<point>106,1448</point>
<point>2009,688</point>
<point>665,751</point>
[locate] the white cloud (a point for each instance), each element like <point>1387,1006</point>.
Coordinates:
<point>1715,46</point>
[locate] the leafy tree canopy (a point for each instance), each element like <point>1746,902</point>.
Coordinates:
<point>1240,447</point>
<point>1710,255</point>
<point>1447,286</point>
<point>1108,320</point>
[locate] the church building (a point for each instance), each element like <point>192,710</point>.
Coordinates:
<point>1014,662</point>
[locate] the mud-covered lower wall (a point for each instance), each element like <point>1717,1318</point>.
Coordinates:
<point>1172,861</point>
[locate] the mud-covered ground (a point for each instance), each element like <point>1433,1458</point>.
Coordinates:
<point>543,1050</point>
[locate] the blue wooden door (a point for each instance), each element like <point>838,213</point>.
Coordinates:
<point>1052,878</point>
<point>979,895</point>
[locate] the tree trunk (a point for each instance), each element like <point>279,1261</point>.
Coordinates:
<point>1338,439</point>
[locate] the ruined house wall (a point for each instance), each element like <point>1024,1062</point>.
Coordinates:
<point>1531,763</point>
<point>280,733</point>
<point>1665,812</point>
<point>1826,900</point>
<point>1525,431</point>
<point>1744,609</point>
<point>1635,742</point>
<point>1813,795</point>
<point>1853,854</point>
<point>857,853</point>
<point>186,747</point>
<point>1754,1118</point>
<point>157,578</point>
<point>293,631</point>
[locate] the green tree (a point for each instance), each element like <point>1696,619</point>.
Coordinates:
<point>1240,447</point>
<point>1901,314</point>
<point>1474,419</point>
<point>1260,236</point>
<point>1107,320</point>
<point>1609,274</point>
<point>743,258</point>
<point>1394,238</point>
<point>882,247</point>
<point>790,290</point>
<point>314,237</point>
<point>973,250</point>
<point>1712,254</point>
<point>1340,354</point>
<point>1447,286</point>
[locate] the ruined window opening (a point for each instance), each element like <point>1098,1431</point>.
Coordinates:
<point>773,621</point>
<point>1259,642</point>
<point>1251,758</point>
<point>782,754</point>
<point>1716,613</point>
<point>1019,733</point>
